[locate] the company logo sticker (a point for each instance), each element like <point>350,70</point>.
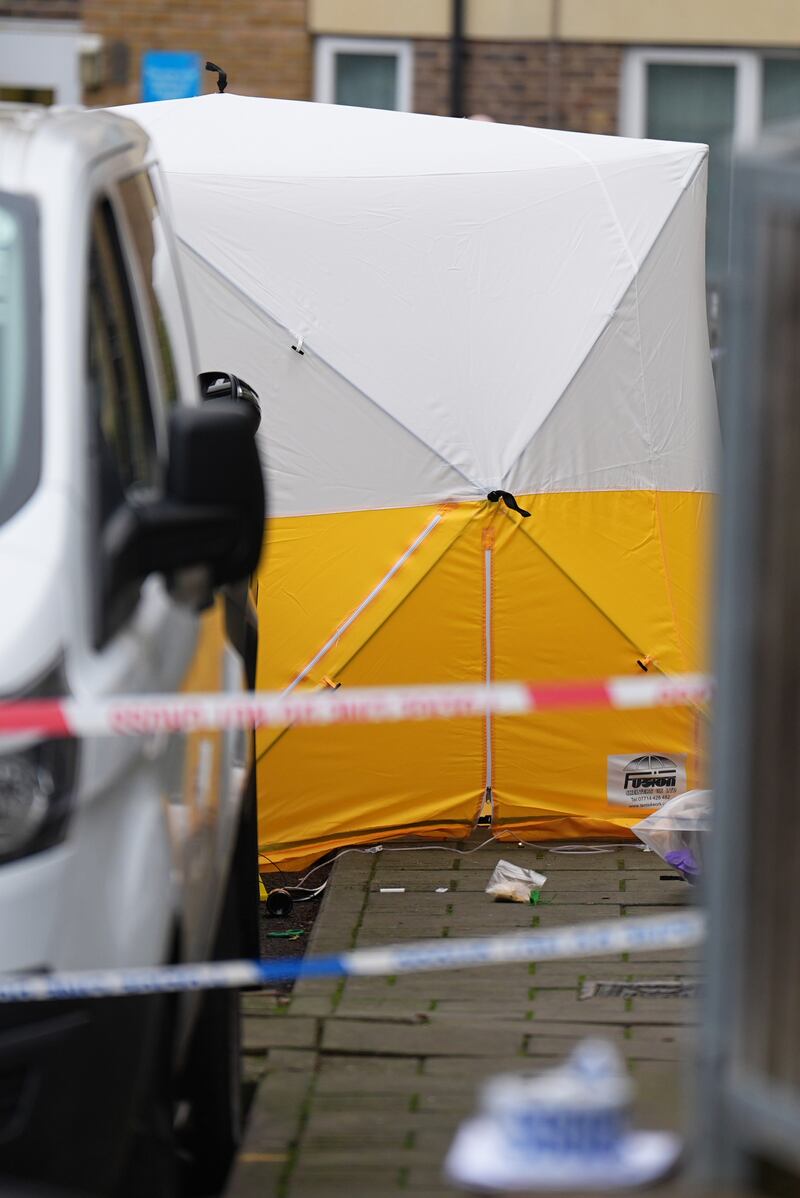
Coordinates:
<point>647,780</point>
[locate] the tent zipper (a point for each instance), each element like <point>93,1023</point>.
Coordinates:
<point>488,566</point>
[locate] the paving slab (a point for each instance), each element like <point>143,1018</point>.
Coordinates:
<point>421,921</point>
<point>556,858</point>
<point>253,1069</point>
<point>451,1038</point>
<point>362,1082</point>
<point>313,1004</point>
<point>593,884</point>
<point>493,986</point>
<point>263,1002</point>
<point>279,1032</point>
<point>365,1069</point>
<point>292,1060</point>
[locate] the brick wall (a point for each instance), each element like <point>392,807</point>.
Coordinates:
<point>589,87</point>
<point>432,77</point>
<point>262,44</point>
<point>566,86</point>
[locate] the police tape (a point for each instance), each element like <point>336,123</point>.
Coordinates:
<point>136,715</point>
<point>655,933</point>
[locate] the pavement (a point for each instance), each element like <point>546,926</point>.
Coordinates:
<point>362,1082</point>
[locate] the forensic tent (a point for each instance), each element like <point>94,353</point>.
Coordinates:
<point>435,312</point>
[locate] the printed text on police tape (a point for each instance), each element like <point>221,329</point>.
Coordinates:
<point>143,714</point>
<point>655,933</point>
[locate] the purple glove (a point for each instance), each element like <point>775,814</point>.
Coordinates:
<point>683,860</point>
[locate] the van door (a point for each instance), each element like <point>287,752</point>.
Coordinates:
<point>215,763</point>
<point>129,643</point>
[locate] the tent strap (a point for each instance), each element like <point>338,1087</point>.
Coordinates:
<point>508,499</point>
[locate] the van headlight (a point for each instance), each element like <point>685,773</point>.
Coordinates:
<point>36,789</point>
<point>25,792</point>
<point>37,785</point>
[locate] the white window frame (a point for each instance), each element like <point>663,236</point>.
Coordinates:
<point>327,48</point>
<point>747,94</point>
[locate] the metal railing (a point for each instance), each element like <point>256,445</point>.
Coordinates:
<point>749,1093</point>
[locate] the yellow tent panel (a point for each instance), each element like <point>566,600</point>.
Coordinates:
<point>468,593</point>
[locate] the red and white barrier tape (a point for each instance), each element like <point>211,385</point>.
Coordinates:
<point>145,714</point>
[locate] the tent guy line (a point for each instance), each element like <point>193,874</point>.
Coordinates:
<point>139,715</point>
<point>650,933</point>
<point>598,607</point>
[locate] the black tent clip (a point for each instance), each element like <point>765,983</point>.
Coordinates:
<point>508,499</point>
<point>222,81</point>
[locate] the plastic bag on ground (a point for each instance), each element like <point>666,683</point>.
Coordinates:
<point>678,831</point>
<point>513,884</point>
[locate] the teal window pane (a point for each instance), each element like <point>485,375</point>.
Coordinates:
<point>366,80</point>
<point>694,102</point>
<point>781,99</point>
<point>14,337</point>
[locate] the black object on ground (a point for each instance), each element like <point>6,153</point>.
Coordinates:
<point>279,902</point>
<point>299,918</point>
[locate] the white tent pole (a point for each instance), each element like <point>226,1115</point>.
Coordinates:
<point>364,603</point>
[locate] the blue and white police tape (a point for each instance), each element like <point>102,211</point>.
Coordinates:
<point>684,929</point>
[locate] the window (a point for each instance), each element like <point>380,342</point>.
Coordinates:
<point>141,211</point>
<point>781,90</point>
<point>120,416</point>
<point>364,73</point>
<point>41,60</point>
<point>20,353</point>
<point>724,98</point>
<point>696,102</point>
<point>27,95</point>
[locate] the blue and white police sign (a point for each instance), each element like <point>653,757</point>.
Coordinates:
<point>170,74</point>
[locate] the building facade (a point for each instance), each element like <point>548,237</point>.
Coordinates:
<point>714,71</point>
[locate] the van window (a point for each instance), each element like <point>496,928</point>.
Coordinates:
<point>141,211</point>
<point>20,355</point>
<point>120,413</point>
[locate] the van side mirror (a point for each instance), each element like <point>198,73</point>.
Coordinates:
<point>216,384</point>
<point>210,516</point>
<point>214,462</point>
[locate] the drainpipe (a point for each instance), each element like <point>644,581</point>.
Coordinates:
<point>554,67</point>
<point>457,59</point>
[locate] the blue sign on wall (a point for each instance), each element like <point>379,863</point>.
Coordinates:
<point>170,74</point>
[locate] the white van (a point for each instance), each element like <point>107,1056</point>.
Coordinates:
<point>126,503</point>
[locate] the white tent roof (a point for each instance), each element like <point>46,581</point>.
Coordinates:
<point>481,306</point>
